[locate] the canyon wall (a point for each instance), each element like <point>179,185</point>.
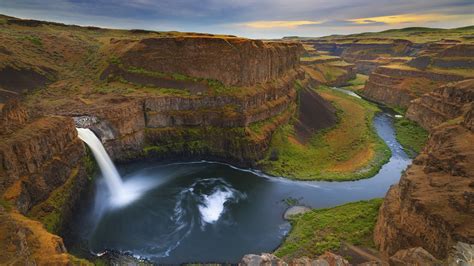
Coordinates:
<point>233,61</point>
<point>398,85</point>
<point>218,127</point>
<point>431,207</point>
<point>442,104</point>
<point>38,156</point>
<point>42,174</point>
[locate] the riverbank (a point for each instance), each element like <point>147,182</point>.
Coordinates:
<point>350,150</point>
<point>321,230</point>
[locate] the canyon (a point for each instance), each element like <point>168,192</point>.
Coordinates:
<point>173,96</point>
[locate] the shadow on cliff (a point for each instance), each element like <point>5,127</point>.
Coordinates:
<point>314,113</point>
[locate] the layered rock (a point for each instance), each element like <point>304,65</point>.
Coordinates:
<point>233,61</point>
<point>367,67</point>
<point>42,175</point>
<point>26,242</point>
<point>398,85</point>
<point>327,259</point>
<point>442,104</point>
<point>431,207</point>
<point>352,50</point>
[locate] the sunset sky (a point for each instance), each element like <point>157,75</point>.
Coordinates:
<point>250,18</point>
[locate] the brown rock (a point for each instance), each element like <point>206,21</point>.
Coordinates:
<point>442,104</point>
<point>26,242</point>
<point>397,86</point>
<point>431,207</point>
<point>413,256</point>
<point>233,61</point>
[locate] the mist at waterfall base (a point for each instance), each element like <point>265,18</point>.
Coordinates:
<point>211,212</point>
<point>118,193</point>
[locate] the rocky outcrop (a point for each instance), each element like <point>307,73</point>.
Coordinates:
<point>351,50</point>
<point>12,116</point>
<point>398,85</point>
<point>431,207</point>
<point>42,174</point>
<point>26,242</point>
<point>38,158</point>
<point>265,259</point>
<point>413,256</point>
<point>232,61</point>
<point>367,67</point>
<point>442,104</point>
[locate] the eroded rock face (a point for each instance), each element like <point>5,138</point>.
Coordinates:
<point>233,61</point>
<point>431,207</point>
<point>205,127</point>
<point>37,158</point>
<point>442,104</point>
<point>413,256</point>
<point>397,86</point>
<point>26,242</point>
<point>265,259</point>
<point>12,116</point>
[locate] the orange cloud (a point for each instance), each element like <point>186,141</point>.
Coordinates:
<point>406,18</point>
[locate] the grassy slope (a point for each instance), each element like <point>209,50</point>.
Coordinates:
<point>417,35</point>
<point>411,136</point>
<point>351,150</point>
<point>77,56</point>
<point>322,230</point>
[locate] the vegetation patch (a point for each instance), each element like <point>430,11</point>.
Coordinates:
<point>49,212</point>
<point>348,151</point>
<point>358,83</point>
<point>33,39</point>
<point>322,230</point>
<point>410,135</point>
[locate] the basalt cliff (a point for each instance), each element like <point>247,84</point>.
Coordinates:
<point>431,207</point>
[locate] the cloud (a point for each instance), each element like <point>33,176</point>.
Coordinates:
<point>249,18</point>
<point>267,24</point>
<point>405,18</point>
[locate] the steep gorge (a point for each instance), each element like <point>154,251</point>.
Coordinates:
<point>245,90</point>
<point>431,206</point>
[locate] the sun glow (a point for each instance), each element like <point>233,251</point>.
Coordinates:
<point>405,18</point>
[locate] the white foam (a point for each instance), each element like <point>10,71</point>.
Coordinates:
<point>213,206</point>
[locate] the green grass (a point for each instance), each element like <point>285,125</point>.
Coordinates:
<point>410,135</point>
<point>33,39</point>
<point>6,204</point>
<point>319,57</point>
<point>350,150</point>
<point>357,84</point>
<point>49,212</point>
<point>215,86</point>
<point>322,230</point>
<point>359,80</point>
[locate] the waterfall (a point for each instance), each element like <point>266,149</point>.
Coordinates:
<point>107,167</point>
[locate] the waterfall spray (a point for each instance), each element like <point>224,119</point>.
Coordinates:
<point>121,193</point>
<point>107,167</point>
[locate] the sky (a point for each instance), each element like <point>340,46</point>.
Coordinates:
<point>262,19</point>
